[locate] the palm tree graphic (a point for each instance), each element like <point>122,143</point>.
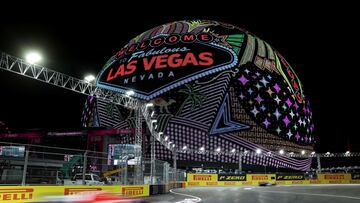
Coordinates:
<point>194,97</point>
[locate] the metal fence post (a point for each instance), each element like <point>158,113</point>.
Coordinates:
<point>175,165</point>
<point>240,162</point>
<point>23,181</point>
<point>152,161</point>
<point>318,163</point>
<point>84,168</point>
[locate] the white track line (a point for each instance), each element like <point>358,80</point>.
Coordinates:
<point>311,194</point>
<point>193,200</point>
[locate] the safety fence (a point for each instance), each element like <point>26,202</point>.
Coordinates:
<point>40,165</point>
<point>279,179</point>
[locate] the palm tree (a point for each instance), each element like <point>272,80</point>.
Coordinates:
<point>194,97</point>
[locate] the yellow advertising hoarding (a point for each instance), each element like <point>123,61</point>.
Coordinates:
<point>17,194</point>
<point>202,177</point>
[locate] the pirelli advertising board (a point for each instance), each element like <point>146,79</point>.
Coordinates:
<point>17,194</point>
<point>261,177</point>
<point>202,177</point>
<point>232,177</point>
<point>355,176</point>
<point>290,177</point>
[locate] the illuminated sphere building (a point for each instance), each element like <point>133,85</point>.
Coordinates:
<point>212,85</point>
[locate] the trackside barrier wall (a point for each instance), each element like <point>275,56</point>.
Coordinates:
<point>17,194</point>
<point>255,179</point>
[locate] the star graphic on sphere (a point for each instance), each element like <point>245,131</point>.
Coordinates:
<point>301,122</point>
<point>263,108</point>
<point>289,134</point>
<point>246,71</point>
<point>297,136</point>
<point>255,111</point>
<point>277,88</point>
<point>288,102</point>
<point>284,107</point>
<point>257,73</point>
<point>296,106</point>
<point>286,121</point>
<point>278,130</point>
<point>264,82</point>
<point>269,77</point>
<point>251,102</point>
<point>306,138</point>
<point>277,99</point>
<point>258,86</point>
<point>242,96</point>
<point>266,123</point>
<point>277,114</point>
<point>243,79</point>
<point>259,99</point>
<point>269,91</point>
<point>250,91</point>
<point>295,126</point>
<point>292,114</point>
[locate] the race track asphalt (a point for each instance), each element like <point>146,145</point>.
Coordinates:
<point>269,194</point>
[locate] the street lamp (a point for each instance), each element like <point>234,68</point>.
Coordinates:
<point>89,78</point>
<point>33,57</point>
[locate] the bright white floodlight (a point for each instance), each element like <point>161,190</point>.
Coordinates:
<point>33,57</point>
<point>89,78</point>
<point>129,93</point>
<point>258,151</point>
<point>302,152</point>
<point>218,149</point>
<point>149,104</point>
<point>281,151</point>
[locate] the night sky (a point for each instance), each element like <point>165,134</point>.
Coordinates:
<point>319,43</point>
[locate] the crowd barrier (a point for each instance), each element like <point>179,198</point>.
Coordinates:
<point>17,194</point>
<point>279,179</point>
